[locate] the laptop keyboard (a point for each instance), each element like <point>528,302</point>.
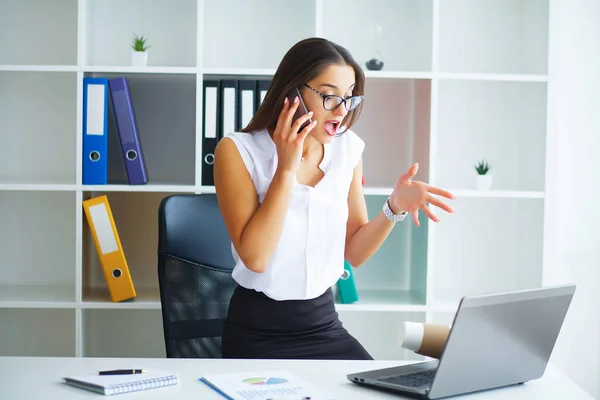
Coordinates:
<point>414,379</point>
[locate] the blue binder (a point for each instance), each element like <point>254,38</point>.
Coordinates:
<point>95,131</point>
<point>127,128</point>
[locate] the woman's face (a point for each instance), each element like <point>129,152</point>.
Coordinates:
<point>335,79</point>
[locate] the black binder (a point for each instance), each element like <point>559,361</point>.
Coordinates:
<point>211,118</point>
<point>262,85</point>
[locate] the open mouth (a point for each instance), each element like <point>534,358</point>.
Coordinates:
<point>331,127</point>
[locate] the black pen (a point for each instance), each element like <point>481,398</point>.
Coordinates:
<point>123,372</point>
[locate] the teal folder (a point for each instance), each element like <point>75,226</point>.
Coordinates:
<point>346,286</point>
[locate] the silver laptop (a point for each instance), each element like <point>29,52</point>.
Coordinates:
<point>496,340</point>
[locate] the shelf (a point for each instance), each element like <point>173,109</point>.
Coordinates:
<point>171,31</point>
<point>508,36</point>
<point>37,333</point>
<point>123,333</point>
<point>260,72</point>
<point>39,68</point>
<point>404,30</point>
<point>155,187</point>
<point>492,77</point>
<point>510,194</point>
<point>165,111</point>
<point>269,72</point>
<point>37,296</point>
<point>253,44</point>
<point>462,80</point>
<point>38,243</point>
<point>397,74</point>
<point>501,122</point>
<point>150,187</point>
<point>488,245</point>
<point>38,32</point>
<point>140,70</point>
<point>38,187</point>
<point>400,111</point>
<point>38,121</point>
<point>206,189</point>
<point>385,300</point>
<point>384,74</point>
<point>98,297</point>
<point>369,300</point>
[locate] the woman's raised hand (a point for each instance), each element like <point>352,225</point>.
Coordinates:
<point>412,196</point>
<point>288,141</point>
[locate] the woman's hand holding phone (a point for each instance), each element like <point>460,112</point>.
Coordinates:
<point>288,141</point>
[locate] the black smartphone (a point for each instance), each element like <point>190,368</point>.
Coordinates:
<point>301,110</point>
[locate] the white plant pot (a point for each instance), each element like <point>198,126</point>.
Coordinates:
<point>139,58</point>
<point>484,182</point>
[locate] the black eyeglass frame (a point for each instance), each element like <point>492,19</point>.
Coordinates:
<point>343,100</point>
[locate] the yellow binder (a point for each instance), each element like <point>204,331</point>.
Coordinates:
<point>110,251</point>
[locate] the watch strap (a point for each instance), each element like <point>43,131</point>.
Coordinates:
<point>390,215</point>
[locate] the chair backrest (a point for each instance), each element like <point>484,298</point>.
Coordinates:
<point>194,275</point>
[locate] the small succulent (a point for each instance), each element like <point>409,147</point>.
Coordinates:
<point>140,43</point>
<point>482,167</point>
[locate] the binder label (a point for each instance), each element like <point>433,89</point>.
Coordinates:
<point>247,107</point>
<point>103,228</point>
<point>211,113</point>
<point>228,111</point>
<point>95,110</point>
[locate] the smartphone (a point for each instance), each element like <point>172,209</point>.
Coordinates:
<point>301,110</point>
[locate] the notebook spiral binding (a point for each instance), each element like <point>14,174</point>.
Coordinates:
<point>142,385</point>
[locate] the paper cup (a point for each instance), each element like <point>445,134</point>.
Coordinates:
<point>425,339</point>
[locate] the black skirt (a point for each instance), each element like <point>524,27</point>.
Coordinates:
<point>260,327</point>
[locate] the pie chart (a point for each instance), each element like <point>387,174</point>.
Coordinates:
<point>264,381</point>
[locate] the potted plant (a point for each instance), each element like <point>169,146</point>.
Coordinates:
<point>484,179</point>
<point>139,55</point>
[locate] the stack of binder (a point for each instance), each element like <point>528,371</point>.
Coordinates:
<point>96,94</point>
<point>228,106</point>
<point>95,131</point>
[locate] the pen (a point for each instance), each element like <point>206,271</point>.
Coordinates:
<point>123,372</point>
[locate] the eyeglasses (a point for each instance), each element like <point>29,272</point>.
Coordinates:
<point>332,101</point>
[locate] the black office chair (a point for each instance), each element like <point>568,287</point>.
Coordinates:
<point>194,275</point>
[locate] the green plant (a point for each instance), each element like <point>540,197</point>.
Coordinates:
<point>140,43</point>
<point>482,167</point>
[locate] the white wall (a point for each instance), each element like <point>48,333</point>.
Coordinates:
<point>573,185</point>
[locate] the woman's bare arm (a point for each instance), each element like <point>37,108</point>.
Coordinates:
<point>255,229</point>
<point>363,237</point>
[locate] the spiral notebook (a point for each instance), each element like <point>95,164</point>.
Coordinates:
<point>117,384</point>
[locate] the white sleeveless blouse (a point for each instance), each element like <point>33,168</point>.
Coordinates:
<point>310,255</point>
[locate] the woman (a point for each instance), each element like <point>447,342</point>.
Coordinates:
<point>292,202</point>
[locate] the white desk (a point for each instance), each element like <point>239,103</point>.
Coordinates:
<point>41,378</point>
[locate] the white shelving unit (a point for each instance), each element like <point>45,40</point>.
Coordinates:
<point>463,80</point>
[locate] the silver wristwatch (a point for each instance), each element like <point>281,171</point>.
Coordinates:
<point>389,214</point>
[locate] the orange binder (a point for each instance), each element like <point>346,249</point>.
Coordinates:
<point>114,265</point>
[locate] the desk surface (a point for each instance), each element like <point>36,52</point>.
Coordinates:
<point>37,378</point>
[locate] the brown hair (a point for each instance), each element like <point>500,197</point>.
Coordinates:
<point>303,62</point>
